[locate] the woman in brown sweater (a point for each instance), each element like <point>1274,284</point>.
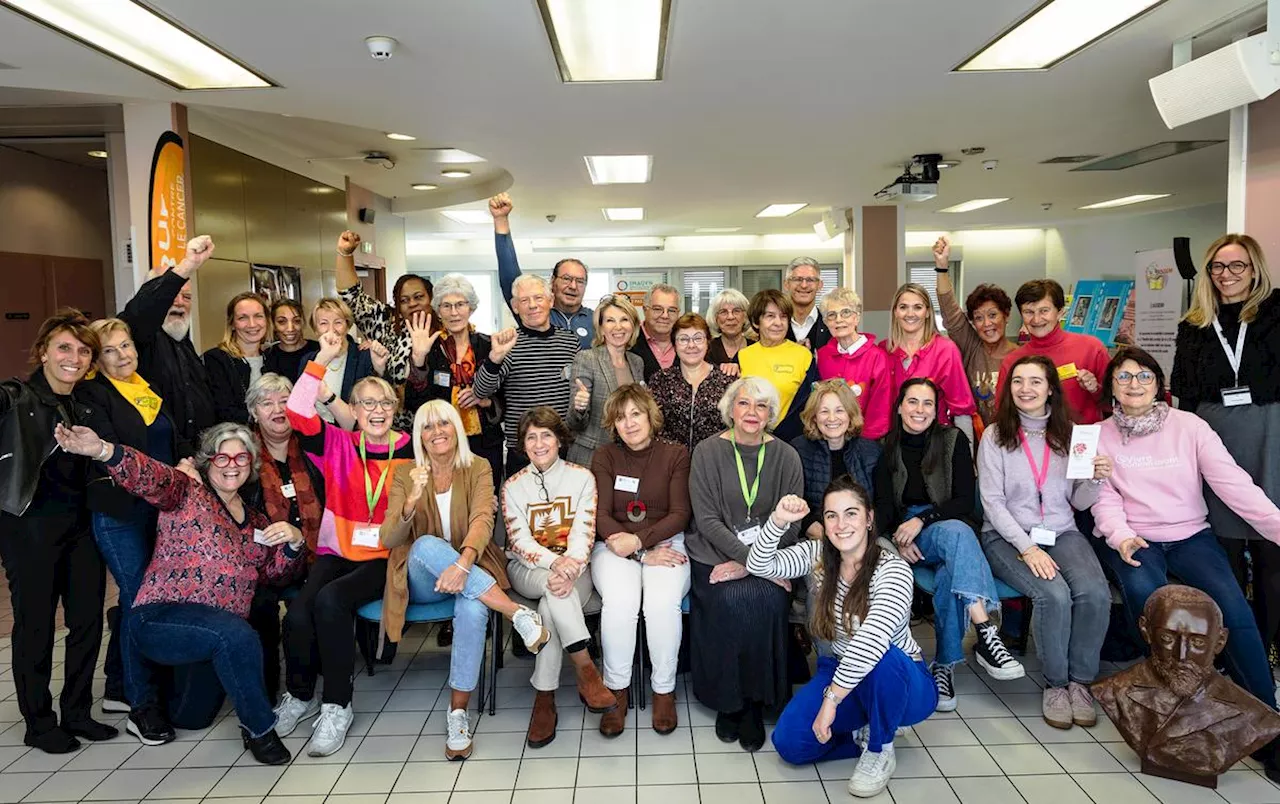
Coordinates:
<point>441,549</point>
<point>643,488</point>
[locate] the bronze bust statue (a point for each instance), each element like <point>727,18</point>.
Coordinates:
<point>1185,720</point>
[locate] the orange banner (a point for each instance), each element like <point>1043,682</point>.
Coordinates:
<point>168,222</point>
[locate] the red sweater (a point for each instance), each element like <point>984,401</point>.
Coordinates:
<point>1065,348</point>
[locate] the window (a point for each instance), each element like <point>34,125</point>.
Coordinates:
<point>699,287</point>
<point>923,274</point>
<point>830,281</point>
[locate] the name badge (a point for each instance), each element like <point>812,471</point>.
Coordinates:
<point>624,483</point>
<point>288,491</point>
<point>1233,397</point>
<point>1044,537</point>
<point>366,537</point>
<point>259,537</point>
<point>748,534</point>
<point>442,378</point>
<point>582,332</point>
<point>1067,371</point>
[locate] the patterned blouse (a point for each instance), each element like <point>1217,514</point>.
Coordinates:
<point>689,418</point>
<point>376,322</point>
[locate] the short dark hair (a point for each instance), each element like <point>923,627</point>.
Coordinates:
<point>292,304</point>
<point>1142,358</point>
<point>1037,289</point>
<point>545,417</point>
<point>74,323</point>
<point>693,321</point>
<point>555,271</point>
<point>761,301</point>
<point>988,293</point>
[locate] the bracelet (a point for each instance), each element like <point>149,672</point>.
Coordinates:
<point>342,253</point>
<point>467,570</point>
<point>332,396</point>
<point>102,453</point>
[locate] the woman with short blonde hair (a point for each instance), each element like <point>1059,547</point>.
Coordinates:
<point>345,364</point>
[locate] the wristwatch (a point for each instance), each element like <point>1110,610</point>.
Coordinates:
<point>332,396</point>
<point>829,695</point>
<point>640,554</point>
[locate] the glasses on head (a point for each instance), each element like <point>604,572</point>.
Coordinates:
<point>691,340</point>
<point>805,280</point>
<point>1236,267</point>
<point>222,460</point>
<point>449,307</point>
<point>1143,377</point>
<point>656,310</point>
<point>373,404</point>
<point>843,314</point>
<point>573,280</point>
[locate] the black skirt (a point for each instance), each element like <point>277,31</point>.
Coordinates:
<point>738,641</point>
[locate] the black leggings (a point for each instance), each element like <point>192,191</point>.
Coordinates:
<point>1266,583</point>
<point>320,625</point>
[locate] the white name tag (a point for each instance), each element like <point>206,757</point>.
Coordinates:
<point>1233,397</point>
<point>442,378</point>
<point>748,536</point>
<point>259,537</point>
<point>288,491</point>
<point>366,537</point>
<point>624,483</point>
<point>1044,537</point>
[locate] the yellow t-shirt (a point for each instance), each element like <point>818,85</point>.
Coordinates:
<point>139,393</point>
<point>784,366</point>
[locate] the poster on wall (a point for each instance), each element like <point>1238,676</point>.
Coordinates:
<point>167,221</point>
<point>1099,308</point>
<point>1158,304</point>
<point>636,286</point>
<point>274,282</point>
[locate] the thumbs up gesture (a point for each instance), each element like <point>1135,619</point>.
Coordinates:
<point>581,396</point>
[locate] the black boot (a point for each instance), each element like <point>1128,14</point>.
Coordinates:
<point>751,732</point>
<point>90,729</point>
<point>728,725</point>
<point>267,749</point>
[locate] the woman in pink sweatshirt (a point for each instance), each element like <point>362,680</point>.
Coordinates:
<point>1153,513</point>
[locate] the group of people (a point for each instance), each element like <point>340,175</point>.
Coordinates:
<point>764,460</point>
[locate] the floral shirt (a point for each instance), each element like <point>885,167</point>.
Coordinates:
<point>689,418</point>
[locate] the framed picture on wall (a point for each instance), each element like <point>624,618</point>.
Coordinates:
<point>276,282</point>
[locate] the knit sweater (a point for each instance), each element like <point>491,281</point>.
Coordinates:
<point>1065,348</point>
<point>980,363</point>
<point>888,620</point>
<point>1010,501</point>
<point>337,453</point>
<point>1200,366</point>
<point>1155,490</point>
<point>535,372</point>
<point>866,370</point>
<point>550,514</point>
<point>663,473</point>
<point>202,555</point>
<point>688,417</point>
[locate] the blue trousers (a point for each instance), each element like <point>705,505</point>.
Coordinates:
<point>428,559</point>
<point>1201,562</point>
<point>962,577</point>
<point>126,549</point>
<point>185,633</point>
<point>897,692</point>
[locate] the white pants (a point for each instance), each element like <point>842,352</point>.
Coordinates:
<point>623,584</point>
<point>561,616</point>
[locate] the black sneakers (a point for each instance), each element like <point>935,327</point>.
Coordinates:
<point>150,726</point>
<point>994,656</point>
<point>946,688</point>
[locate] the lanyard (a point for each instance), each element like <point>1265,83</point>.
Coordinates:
<point>1232,357</point>
<point>372,494</point>
<point>1039,475</point>
<point>749,497</point>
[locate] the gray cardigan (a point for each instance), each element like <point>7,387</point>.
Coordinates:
<point>718,506</point>
<point>595,370</point>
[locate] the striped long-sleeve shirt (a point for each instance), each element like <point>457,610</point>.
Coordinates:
<point>535,372</point>
<point>888,620</point>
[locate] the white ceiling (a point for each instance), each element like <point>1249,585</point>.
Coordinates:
<point>763,102</point>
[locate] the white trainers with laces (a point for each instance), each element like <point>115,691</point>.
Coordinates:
<point>457,743</point>
<point>330,731</point>
<point>290,712</point>
<point>528,624</point>
<point>873,772</point>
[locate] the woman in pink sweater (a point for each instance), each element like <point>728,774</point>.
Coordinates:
<point>1153,515</point>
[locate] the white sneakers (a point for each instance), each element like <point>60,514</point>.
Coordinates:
<point>528,625</point>
<point>290,712</point>
<point>457,744</point>
<point>330,731</point>
<point>873,771</point>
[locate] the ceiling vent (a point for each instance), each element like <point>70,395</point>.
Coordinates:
<point>1070,160</point>
<point>1150,153</point>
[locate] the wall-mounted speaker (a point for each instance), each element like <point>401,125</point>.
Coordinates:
<point>1235,75</point>
<point>367,214</point>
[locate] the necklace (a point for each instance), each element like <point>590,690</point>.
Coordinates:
<point>636,510</point>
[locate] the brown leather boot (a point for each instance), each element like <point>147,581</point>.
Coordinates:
<point>613,723</point>
<point>591,689</point>
<point>542,723</point>
<point>665,719</point>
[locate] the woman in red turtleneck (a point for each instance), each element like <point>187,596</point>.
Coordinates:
<point>1081,359</point>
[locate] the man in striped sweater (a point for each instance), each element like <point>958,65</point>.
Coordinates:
<point>529,366</point>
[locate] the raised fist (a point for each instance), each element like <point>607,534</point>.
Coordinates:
<point>502,344</point>
<point>348,242</point>
<point>500,205</point>
<point>942,252</point>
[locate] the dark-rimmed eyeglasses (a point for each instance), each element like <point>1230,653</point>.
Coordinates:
<point>1236,267</point>
<point>1143,377</point>
<point>373,404</point>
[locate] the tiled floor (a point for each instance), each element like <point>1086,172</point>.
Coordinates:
<point>994,750</point>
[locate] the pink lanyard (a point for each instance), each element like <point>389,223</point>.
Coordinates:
<point>1039,475</point>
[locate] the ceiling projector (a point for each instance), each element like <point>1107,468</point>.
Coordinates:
<point>918,182</point>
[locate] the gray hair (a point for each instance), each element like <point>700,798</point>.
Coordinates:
<point>263,387</point>
<point>757,389</point>
<point>801,262</point>
<point>525,279</point>
<point>846,296</point>
<point>456,285</point>
<point>661,288</point>
<point>211,442</point>
<point>729,297</point>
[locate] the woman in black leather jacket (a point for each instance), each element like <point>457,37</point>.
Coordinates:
<point>45,541</point>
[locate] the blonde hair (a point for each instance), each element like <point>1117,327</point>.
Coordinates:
<point>622,303</point>
<point>379,383</point>
<point>841,296</point>
<point>1204,301</point>
<point>842,391</point>
<point>437,410</point>
<point>228,343</point>
<point>333,305</point>
<point>896,335</point>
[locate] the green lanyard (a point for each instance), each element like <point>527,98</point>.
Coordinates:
<point>372,494</point>
<point>749,497</point>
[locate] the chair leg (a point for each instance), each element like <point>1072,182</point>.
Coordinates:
<point>1028,608</point>
<point>484,663</point>
<point>371,649</point>
<point>495,659</point>
<point>637,669</point>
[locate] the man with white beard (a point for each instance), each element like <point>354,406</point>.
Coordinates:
<point>159,315</point>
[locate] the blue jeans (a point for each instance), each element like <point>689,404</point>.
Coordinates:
<point>185,633</point>
<point>428,559</point>
<point>897,692</point>
<point>1201,562</point>
<point>963,577</point>
<point>127,550</point>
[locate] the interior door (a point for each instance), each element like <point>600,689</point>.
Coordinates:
<point>79,283</point>
<point>24,304</point>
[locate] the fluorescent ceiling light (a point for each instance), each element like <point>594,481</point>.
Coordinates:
<point>130,32</point>
<point>637,169</point>
<point>977,203</point>
<point>1055,31</point>
<point>618,40</point>
<point>719,230</point>
<point>780,210</point>
<point>452,156</point>
<point>422,186</point>
<point>468,216</point>
<point>401,137</point>
<point>1126,201</point>
<point>623,213</point>
<point>98,154</point>
<point>455,173</point>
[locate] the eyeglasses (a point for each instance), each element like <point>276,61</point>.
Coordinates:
<point>373,404</point>
<point>222,460</point>
<point>1236,267</point>
<point>656,310</point>
<point>542,487</point>
<point>1143,377</point>
<point>843,314</point>
<point>804,280</point>
<point>733,311</point>
<point>573,280</point>
<point>449,307</point>
<point>691,340</point>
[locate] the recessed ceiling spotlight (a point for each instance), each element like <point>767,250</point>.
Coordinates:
<point>455,173</point>
<point>422,186</point>
<point>98,154</point>
<point>401,137</point>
